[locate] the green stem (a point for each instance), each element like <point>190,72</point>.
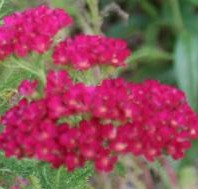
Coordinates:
<point>95,15</point>
<point>42,76</point>
<point>24,67</point>
<point>170,173</point>
<point>45,177</point>
<point>164,170</point>
<point>35,182</point>
<point>149,8</point>
<point>177,17</point>
<point>58,177</point>
<point>96,74</point>
<point>2,3</point>
<point>40,73</point>
<point>140,169</point>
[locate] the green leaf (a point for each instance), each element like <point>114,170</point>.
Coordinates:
<point>190,156</point>
<point>41,176</point>
<point>186,66</point>
<point>5,8</point>
<point>120,169</point>
<point>189,14</point>
<point>35,182</point>
<point>121,29</point>
<point>10,77</point>
<point>67,5</point>
<point>1,4</point>
<point>195,2</point>
<point>149,54</point>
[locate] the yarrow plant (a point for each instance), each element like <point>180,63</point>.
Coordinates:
<point>66,122</point>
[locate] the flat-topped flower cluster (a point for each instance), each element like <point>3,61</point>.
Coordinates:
<point>117,117</point>
<point>73,123</point>
<point>86,51</point>
<point>31,31</point>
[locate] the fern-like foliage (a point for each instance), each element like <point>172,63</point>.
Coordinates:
<point>41,176</point>
<point>10,77</point>
<point>5,8</point>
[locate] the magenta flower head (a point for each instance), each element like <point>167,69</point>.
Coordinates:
<point>147,119</point>
<point>57,82</point>
<point>85,51</point>
<point>31,30</point>
<point>27,88</point>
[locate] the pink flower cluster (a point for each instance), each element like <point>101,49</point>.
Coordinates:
<point>116,118</point>
<point>86,51</point>
<point>26,88</point>
<point>31,30</point>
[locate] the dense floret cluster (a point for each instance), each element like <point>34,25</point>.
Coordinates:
<point>27,87</point>
<point>85,51</point>
<point>31,30</point>
<point>114,118</point>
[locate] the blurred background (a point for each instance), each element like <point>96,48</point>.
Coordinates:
<point>163,38</point>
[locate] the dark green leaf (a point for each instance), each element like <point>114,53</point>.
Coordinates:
<point>120,169</point>
<point>186,66</point>
<point>149,54</point>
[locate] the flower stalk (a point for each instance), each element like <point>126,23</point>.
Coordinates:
<point>177,17</point>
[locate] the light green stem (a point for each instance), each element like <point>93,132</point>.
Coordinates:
<point>58,178</point>
<point>95,15</point>
<point>2,3</point>
<point>177,17</point>
<point>40,72</point>
<point>35,182</point>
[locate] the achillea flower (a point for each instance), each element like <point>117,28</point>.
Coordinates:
<point>27,88</point>
<point>57,82</point>
<point>148,119</point>
<point>31,30</point>
<point>85,51</point>
<point>73,123</point>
